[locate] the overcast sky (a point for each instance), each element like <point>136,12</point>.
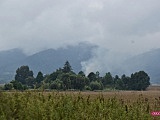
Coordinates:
<point>120,26</point>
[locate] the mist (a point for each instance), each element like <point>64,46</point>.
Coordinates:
<point>120,29</point>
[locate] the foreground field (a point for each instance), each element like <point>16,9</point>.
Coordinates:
<point>122,105</point>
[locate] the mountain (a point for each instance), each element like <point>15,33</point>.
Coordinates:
<point>11,56</point>
<point>45,61</point>
<point>148,61</point>
<point>49,60</point>
<point>9,60</point>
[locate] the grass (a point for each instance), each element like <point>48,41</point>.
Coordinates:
<point>117,105</point>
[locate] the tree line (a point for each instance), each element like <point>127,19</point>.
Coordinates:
<point>66,79</point>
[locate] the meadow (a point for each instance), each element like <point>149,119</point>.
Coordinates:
<point>71,105</point>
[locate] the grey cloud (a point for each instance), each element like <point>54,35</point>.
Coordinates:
<point>112,25</point>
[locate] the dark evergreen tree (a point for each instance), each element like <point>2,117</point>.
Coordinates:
<point>81,73</point>
<point>115,79</point>
<point>79,82</point>
<point>92,76</point>
<point>126,81</point>
<point>67,67</point>
<point>119,84</point>
<point>39,77</point>
<point>107,79</point>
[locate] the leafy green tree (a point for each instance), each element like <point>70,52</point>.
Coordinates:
<point>66,81</point>
<point>17,85</point>
<point>119,84</point>
<point>79,82</point>
<point>30,82</point>
<point>55,75</point>
<point>87,81</point>
<point>57,84</point>
<point>45,86</point>
<point>139,81</point>
<point>73,78</point>
<point>123,83</point>
<point>22,73</point>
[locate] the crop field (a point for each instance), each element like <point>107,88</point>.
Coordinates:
<point>118,105</point>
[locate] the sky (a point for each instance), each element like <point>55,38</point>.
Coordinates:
<point>120,27</point>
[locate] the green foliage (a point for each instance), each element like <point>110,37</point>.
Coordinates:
<point>92,76</point>
<point>107,79</point>
<point>53,76</point>
<point>139,81</point>
<point>123,83</point>
<point>79,82</point>
<point>67,67</point>
<point>95,85</point>
<point>81,73</point>
<point>22,73</point>
<point>30,82</point>
<point>23,79</point>
<point>61,106</point>
<point>8,86</point>
<point>17,85</point>
<point>38,80</point>
<point>65,79</point>
<point>57,84</point>
<point>39,77</point>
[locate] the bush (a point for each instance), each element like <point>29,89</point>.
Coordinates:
<point>95,85</point>
<point>8,86</point>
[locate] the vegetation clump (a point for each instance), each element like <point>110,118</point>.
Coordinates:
<point>66,79</point>
<point>69,106</point>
